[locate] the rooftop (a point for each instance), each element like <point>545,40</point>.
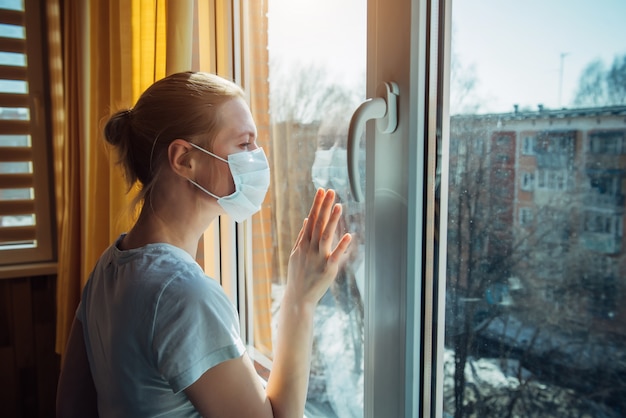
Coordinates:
<point>543,113</point>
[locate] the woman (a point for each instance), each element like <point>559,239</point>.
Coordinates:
<point>153,336</point>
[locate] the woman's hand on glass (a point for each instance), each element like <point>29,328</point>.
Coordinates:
<point>315,258</point>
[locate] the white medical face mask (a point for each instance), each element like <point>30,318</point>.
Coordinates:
<point>251,174</point>
<point>330,171</point>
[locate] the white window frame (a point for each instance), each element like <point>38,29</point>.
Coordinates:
<point>403,352</point>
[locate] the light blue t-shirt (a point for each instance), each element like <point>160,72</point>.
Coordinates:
<point>153,324</point>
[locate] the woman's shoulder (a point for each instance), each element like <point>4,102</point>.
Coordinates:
<point>155,270</point>
<point>178,273</point>
<point>189,296</point>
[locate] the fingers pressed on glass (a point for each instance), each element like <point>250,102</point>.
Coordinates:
<point>330,229</point>
<point>324,215</point>
<point>313,214</point>
<point>341,249</point>
<point>300,235</point>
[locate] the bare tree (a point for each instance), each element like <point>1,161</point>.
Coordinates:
<point>591,88</point>
<point>301,97</point>
<point>616,81</point>
<point>599,86</point>
<point>541,339</point>
<point>463,84</point>
<point>307,93</point>
<point>480,255</point>
<point>310,111</point>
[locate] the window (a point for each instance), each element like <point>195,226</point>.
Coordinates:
<point>525,216</point>
<point>503,141</point>
<point>603,223</point>
<point>605,188</point>
<point>478,144</point>
<point>607,142</point>
<point>490,359</point>
<point>304,131</point>
<point>528,145</point>
<point>563,245</point>
<point>556,180</point>
<point>503,158</point>
<point>528,181</point>
<point>25,177</point>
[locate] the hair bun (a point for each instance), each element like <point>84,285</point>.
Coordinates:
<point>116,130</point>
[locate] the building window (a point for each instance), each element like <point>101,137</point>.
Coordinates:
<point>603,223</point>
<point>556,180</point>
<point>528,181</point>
<point>503,158</point>
<point>504,141</point>
<point>525,216</point>
<point>607,142</point>
<point>560,143</point>
<point>479,145</point>
<point>528,145</point>
<point>605,189</point>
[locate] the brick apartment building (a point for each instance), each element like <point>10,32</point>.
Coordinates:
<point>536,214</point>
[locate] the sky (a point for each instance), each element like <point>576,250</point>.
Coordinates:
<point>512,48</point>
<point>515,47</point>
<point>324,32</point>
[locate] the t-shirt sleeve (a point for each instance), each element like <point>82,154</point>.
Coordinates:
<point>195,328</point>
<point>80,309</point>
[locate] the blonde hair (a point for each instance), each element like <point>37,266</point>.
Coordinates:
<point>182,105</point>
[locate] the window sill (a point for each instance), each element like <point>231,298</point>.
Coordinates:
<point>28,270</point>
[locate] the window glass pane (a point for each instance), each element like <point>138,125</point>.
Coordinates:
<point>316,61</point>
<point>8,194</point>
<point>12,58</point>
<point>16,195</point>
<point>19,167</point>
<point>12,113</point>
<point>14,140</point>
<point>535,292</point>
<point>17,220</point>
<point>12,4</point>
<point>12,31</point>
<point>13,86</point>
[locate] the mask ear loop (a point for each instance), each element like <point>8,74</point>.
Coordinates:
<point>198,147</point>
<point>151,186</point>
<point>212,155</point>
<point>203,189</point>
<point>152,152</point>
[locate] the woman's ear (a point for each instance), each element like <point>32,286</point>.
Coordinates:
<point>179,157</point>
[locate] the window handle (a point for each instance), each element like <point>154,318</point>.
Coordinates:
<point>385,110</point>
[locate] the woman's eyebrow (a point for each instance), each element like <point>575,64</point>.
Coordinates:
<point>246,133</point>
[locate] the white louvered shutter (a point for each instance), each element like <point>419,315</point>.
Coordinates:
<point>25,177</point>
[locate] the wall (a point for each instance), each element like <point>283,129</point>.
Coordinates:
<point>29,366</point>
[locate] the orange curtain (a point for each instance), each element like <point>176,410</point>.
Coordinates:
<point>68,168</point>
<point>112,51</point>
<point>264,244</point>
